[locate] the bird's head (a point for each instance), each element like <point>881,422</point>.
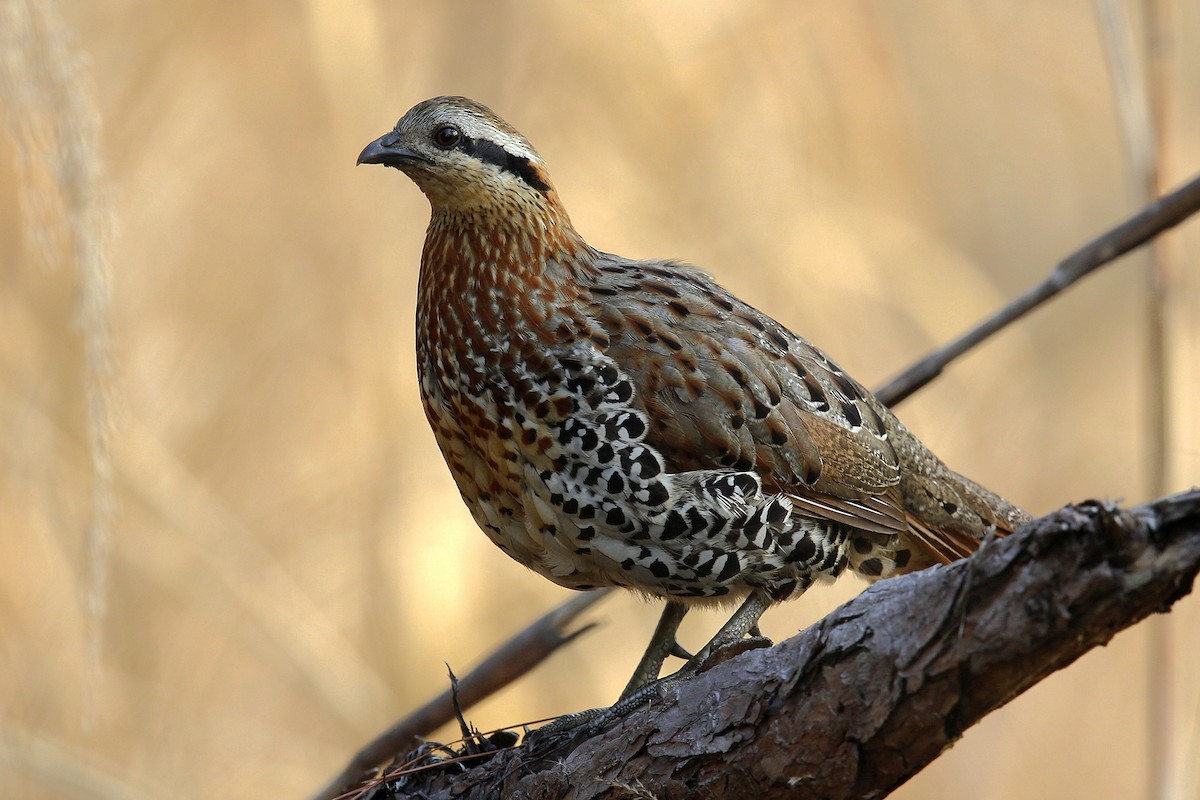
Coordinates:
<point>465,159</point>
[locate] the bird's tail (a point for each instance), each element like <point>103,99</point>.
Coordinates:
<point>950,515</point>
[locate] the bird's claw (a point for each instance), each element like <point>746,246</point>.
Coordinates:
<point>731,649</point>
<point>678,651</point>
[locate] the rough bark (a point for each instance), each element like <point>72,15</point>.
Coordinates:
<point>858,703</point>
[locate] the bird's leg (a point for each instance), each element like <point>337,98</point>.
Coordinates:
<point>662,644</point>
<point>744,620</point>
<point>732,632</point>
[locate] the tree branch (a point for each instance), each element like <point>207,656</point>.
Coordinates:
<point>860,702</point>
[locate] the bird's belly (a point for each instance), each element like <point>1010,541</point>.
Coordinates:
<point>476,437</point>
<point>486,470</point>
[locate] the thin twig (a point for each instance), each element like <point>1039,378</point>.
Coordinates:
<point>1161,215</point>
<point>515,657</point>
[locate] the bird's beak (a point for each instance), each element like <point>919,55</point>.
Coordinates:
<point>388,151</point>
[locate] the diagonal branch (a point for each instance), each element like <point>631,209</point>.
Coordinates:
<point>1157,217</point>
<point>864,699</point>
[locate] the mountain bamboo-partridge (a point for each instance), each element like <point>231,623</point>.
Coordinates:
<point>612,422</point>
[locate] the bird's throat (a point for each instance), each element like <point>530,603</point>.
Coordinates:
<point>492,265</point>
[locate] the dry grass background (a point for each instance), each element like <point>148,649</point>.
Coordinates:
<point>279,565</point>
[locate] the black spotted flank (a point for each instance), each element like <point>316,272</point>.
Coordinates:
<point>731,567</point>
<point>872,567</point>
<point>655,494</point>
<point>675,525</point>
<point>744,483</point>
<point>493,153</point>
<point>581,384</point>
<point>620,393</point>
<point>625,425</point>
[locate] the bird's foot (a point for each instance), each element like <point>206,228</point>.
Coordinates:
<point>729,650</point>
<point>594,720</point>
<point>585,724</point>
<point>569,723</point>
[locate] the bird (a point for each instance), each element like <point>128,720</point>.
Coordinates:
<point>612,422</point>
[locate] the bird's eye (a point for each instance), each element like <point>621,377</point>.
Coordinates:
<point>447,136</point>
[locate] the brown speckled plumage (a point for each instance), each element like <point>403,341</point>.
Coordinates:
<point>612,422</point>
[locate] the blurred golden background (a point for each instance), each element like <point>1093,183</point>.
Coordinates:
<point>229,550</point>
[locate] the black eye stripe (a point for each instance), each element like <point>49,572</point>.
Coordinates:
<point>493,153</point>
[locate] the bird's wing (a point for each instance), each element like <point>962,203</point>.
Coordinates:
<point>726,386</point>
